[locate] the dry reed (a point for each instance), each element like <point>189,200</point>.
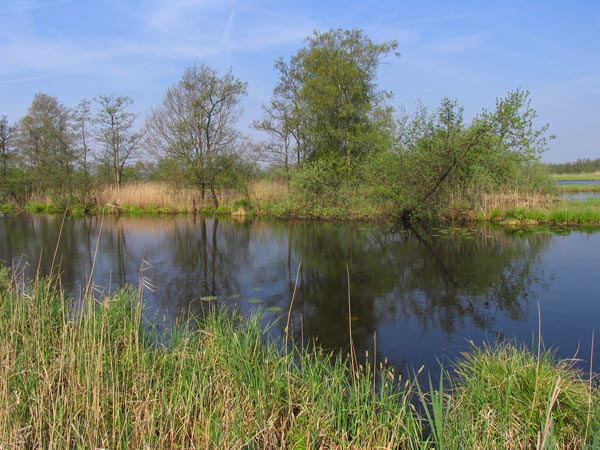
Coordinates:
<point>265,192</point>
<point>159,195</point>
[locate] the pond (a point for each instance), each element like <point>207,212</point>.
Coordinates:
<point>417,296</point>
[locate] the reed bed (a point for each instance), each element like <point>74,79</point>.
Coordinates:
<point>149,195</point>
<point>515,199</point>
<point>263,193</point>
<point>163,197</point>
<point>95,377</point>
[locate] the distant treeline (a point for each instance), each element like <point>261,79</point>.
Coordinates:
<point>585,165</point>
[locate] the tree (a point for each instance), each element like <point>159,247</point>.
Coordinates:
<point>441,155</point>
<point>8,178</point>
<point>282,143</point>
<point>46,144</point>
<point>6,145</point>
<point>82,132</point>
<point>194,126</point>
<point>115,130</point>
<point>339,99</point>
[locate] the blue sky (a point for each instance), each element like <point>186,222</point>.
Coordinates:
<point>473,51</point>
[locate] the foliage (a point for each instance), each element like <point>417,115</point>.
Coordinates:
<point>331,137</point>
<point>7,151</point>
<point>223,209</point>
<point>7,208</point>
<point>327,97</point>
<point>582,165</point>
<point>440,155</point>
<point>241,203</point>
<point>193,129</point>
<point>45,144</point>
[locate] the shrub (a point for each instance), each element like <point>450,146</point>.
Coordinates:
<point>241,203</point>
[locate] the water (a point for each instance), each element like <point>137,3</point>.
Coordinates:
<point>578,182</point>
<point>580,195</point>
<point>416,296</point>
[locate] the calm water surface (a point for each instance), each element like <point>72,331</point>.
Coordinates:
<point>417,296</point>
<point>578,182</point>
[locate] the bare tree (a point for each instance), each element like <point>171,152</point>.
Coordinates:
<point>194,126</point>
<point>115,130</point>
<point>81,118</point>
<point>280,147</point>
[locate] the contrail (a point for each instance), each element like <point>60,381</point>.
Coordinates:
<point>227,36</point>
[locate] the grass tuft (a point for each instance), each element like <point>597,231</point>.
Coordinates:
<point>504,396</point>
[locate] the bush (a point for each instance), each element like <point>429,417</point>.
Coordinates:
<point>78,209</point>
<point>7,208</point>
<point>316,184</point>
<point>241,203</point>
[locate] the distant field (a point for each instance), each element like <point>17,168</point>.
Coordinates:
<point>576,176</point>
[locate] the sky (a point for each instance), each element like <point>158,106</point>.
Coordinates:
<point>471,51</point>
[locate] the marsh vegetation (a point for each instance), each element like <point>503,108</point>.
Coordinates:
<point>92,377</point>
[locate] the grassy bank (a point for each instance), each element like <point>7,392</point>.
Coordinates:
<point>574,188</point>
<point>94,379</point>
<point>560,213</point>
<point>274,199</point>
<point>575,176</point>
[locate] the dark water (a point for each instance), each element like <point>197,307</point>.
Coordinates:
<point>417,296</point>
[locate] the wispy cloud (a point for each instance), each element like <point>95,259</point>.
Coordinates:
<point>458,45</point>
<point>22,6</point>
<point>167,16</point>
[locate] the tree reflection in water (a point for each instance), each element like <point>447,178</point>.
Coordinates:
<point>417,289</point>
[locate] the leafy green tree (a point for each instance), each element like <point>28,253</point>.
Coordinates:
<point>115,131</point>
<point>194,126</point>
<point>46,145</point>
<point>9,174</point>
<point>335,73</point>
<point>440,155</point>
<point>6,145</point>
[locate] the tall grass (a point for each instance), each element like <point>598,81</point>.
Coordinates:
<point>265,193</point>
<point>506,397</point>
<point>562,212</point>
<point>94,377</point>
<point>150,195</point>
<point>168,198</point>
